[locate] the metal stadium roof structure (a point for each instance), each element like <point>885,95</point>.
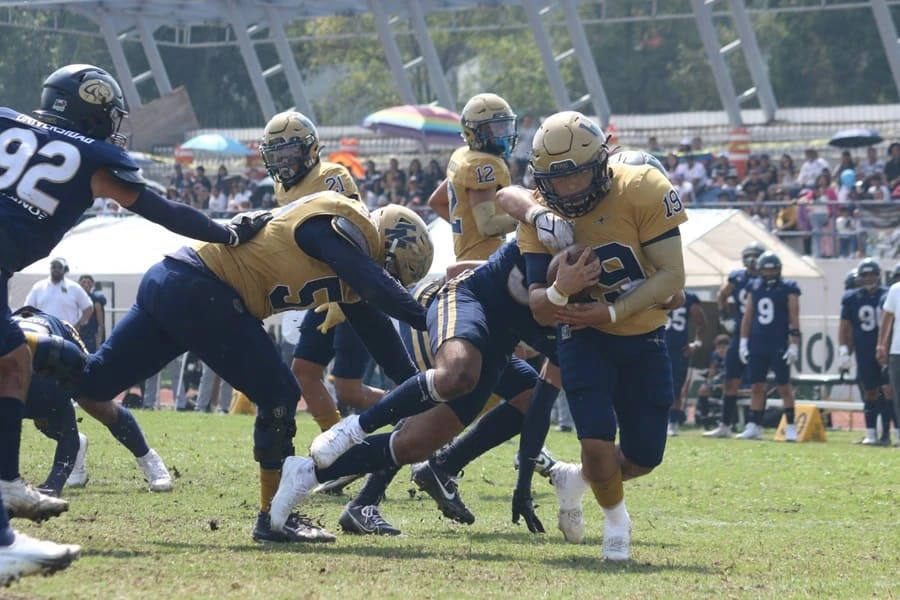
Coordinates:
<point>249,23</point>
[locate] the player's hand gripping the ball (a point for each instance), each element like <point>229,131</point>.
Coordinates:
<point>584,273</point>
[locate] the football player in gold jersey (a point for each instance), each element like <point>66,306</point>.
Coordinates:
<point>290,150</point>
<point>210,299</point>
<point>475,172</point>
<point>612,353</point>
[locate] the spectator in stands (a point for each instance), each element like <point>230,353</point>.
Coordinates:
<point>392,174</point>
<point>653,147</point>
<point>877,190</point>
<point>222,177</point>
<point>845,162</point>
<point>787,172</point>
<point>434,175</point>
<point>415,170</point>
<point>871,164</point>
<point>671,163</point>
<point>845,227</point>
<point>694,172</point>
<point>200,176</point>
<point>811,169</point>
<point>93,332</point>
<point>173,194</point>
<point>787,221</point>
<point>846,191</point>
<point>892,168</point>
<point>684,187</point>
<point>767,171</point>
<point>521,154</point>
<point>218,201</point>
<point>753,186</point>
<point>721,168</point>
<point>201,195</point>
<point>178,180</point>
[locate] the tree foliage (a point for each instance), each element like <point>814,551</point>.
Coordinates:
<point>828,57</point>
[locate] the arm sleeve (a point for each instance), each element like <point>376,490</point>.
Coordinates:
<point>318,239</point>
<point>666,256</point>
<point>536,268</point>
<point>381,339</point>
<point>179,218</point>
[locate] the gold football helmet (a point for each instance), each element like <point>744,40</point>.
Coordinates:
<point>489,125</point>
<point>408,249</point>
<point>570,159</point>
<point>290,147</point>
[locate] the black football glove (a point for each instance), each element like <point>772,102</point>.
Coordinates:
<point>522,506</point>
<point>246,225</point>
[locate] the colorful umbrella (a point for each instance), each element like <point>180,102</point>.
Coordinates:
<point>215,143</point>
<point>432,125</point>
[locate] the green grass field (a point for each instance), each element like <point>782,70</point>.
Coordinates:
<point>719,519</point>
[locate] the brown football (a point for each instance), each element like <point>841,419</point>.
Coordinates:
<point>571,255</point>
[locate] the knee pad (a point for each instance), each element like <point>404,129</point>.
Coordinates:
<point>273,436</point>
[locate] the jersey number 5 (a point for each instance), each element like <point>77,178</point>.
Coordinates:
<point>311,294</point>
<point>17,147</point>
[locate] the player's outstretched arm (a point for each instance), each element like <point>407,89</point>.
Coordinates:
<point>553,231</point>
<point>490,219</point>
<point>357,269</point>
<point>178,218</point>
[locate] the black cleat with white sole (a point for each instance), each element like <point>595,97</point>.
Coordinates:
<point>365,520</point>
<point>438,484</point>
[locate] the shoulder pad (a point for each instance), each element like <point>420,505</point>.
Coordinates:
<point>351,232</point>
<point>135,176</point>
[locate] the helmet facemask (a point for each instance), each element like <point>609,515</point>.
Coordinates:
<point>496,136</point>
<point>288,161</point>
<point>574,190</point>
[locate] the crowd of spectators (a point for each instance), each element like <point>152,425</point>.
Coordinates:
<point>812,204</point>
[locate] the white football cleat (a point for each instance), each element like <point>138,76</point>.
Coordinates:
<point>78,478</point>
<point>616,544</point>
<point>752,431</point>
<point>722,431</point>
<point>570,487</point>
<point>672,430</point>
<point>329,445</point>
<point>298,479</point>
<point>30,556</point>
<point>790,433</point>
<point>22,500</point>
<point>155,472</point>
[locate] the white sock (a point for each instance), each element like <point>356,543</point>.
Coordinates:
<point>617,516</point>
<point>871,433</point>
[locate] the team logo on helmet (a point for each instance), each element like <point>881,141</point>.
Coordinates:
<point>96,91</point>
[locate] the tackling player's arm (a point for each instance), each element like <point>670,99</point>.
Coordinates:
<point>318,239</point>
<point>128,189</point>
<point>439,201</point>
<point>381,340</point>
<point>553,231</point>
<point>490,219</point>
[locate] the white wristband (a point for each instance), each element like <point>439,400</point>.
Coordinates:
<point>556,297</point>
<point>612,314</point>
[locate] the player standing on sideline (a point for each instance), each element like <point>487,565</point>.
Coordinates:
<point>681,351</point>
<point>210,300</point>
<point>770,338</point>
<point>54,165</point>
<point>888,349</point>
<point>860,316</point>
<point>736,289</point>
<point>612,353</point>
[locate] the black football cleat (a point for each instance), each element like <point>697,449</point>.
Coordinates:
<point>297,528</point>
<point>438,484</point>
<point>365,520</point>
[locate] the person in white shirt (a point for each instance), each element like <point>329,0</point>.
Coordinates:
<point>811,169</point>
<point>61,297</point>
<point>888,354</point>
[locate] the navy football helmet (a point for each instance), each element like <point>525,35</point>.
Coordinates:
<point>750,256</point>
<point>769,266</point>
<point>637,157</point>
<point>86,99</point>
<point>895,274</point>
<point>850,282</point>
<point>868,273</point>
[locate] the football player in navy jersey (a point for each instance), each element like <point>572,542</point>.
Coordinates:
<point>770,338</point>
<point>681,350</point>
<point>860,316</point>
<point>736,290</point>
<point>53,165</point>
<point>473,328</point>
